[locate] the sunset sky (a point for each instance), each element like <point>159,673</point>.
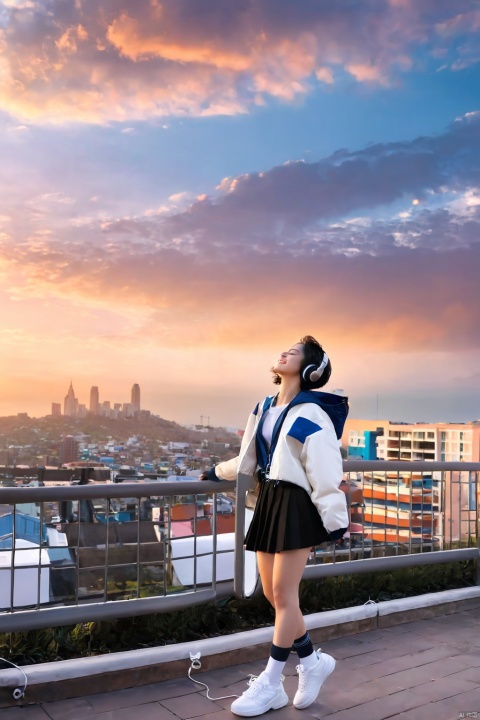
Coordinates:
<point>189,186</point>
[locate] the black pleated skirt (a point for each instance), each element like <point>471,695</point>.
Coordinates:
<point>284,518</point>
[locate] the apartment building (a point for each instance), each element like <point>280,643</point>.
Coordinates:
<point>424,506</point>
<point>385,440</point>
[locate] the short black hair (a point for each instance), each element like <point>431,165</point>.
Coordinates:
<point>314,353</point>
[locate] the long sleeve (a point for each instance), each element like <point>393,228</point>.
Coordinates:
<point>228,470</point>
<point>323,466</point>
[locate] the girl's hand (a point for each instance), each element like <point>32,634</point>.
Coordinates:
<point>209,475</point>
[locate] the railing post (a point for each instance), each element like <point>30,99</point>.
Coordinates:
<point>477,578</point>
<point>239,560</point>
<point>244,483</point>
<point>477,534</point>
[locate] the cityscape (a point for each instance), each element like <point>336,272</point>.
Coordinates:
<point>425,506</point>
<point>73,408</point>
<point>111,436</point>
<point>116,443</point>
<point>122,444</point>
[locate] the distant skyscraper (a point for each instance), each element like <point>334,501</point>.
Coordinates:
<point>127,410</point>
<point>70,404</point>
<point>136,398</point>
<point>94,400</point>
<point>56,408</point>
<point>68,449</point>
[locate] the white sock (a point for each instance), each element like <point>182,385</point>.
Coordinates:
<point>310,661</point>
<point>274,671</point>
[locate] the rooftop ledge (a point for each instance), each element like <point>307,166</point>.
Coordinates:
<point>90,675</point>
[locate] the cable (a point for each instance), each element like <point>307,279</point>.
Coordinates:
<point>18,693</point>
<point>196,665</point>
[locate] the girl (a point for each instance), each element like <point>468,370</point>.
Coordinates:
<point>292,442</point>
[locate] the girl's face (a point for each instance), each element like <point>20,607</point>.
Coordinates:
<point>290,361</point>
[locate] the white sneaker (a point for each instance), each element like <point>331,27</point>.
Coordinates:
<point>259,697</point>
<point>310,681</point>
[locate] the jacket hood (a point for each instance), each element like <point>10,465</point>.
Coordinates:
<point>336,406</point>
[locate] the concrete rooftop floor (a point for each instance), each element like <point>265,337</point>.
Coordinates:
<point>421,670</point>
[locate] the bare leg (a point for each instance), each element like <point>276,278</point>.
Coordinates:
<point>281,574</point>
<point>265,563</point>
<point>288,567</point>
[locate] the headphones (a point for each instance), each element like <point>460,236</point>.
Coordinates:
<point>312,373</point>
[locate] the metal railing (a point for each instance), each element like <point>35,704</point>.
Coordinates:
<point>436,521</point>
<point>104,551</point>
<point>152,560</point>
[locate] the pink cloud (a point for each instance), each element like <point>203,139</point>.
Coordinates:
<point>290,242</point>
<point>298,197</point>
<point>405,300</point>
<point>99,62</point>
<point>361,300</point>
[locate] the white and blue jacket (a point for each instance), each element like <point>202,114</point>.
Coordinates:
<point>305,450</point>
